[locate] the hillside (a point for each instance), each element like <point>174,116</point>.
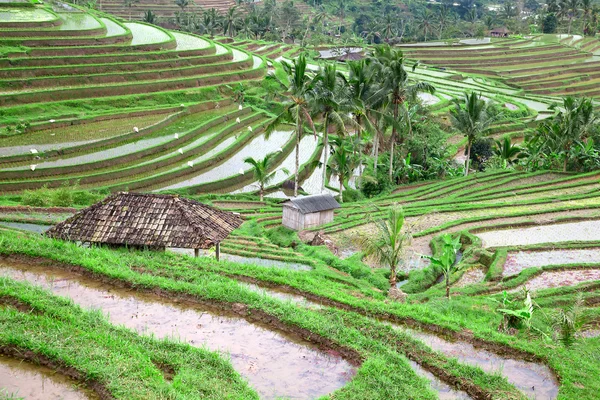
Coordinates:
<point>463,261</point>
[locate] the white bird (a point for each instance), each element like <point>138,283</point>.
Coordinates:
<point>52,120</point>
<point>191,163</point>
<point>238,120</point>
<point>217,105</point>
<point>32,166</point>
<point>34,151</point>
<point>279,149</point>
<point>180,151</point>
<point>241,171</point>
<point>52,134</point>
<point>240,107</point>
<point>135,129</point>
<point>177,136</point>
<point>250,128</point>
<point>182,105</point>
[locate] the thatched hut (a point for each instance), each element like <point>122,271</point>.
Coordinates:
<point>149,221</point>
<point>499,32</point>
<point>309,211</point>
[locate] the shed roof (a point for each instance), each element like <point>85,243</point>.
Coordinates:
<point>500,30</point>
<point>314,203</point>
<point>138,219</point>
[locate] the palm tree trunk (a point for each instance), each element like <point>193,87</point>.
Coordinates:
<point>375,153</point>
<point>359,136</point>
<point>325,149</point>
<point>393,277</point>
<point>341,189</point>
<point>261,191</point>
<point>565,163</point>
<point>448,286</point>
<point>298,125</point>
<point>468,160</point>
<point>392,141</point>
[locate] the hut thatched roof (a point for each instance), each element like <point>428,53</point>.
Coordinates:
<point>153,220</point>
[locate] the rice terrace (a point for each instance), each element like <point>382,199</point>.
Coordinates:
<point>299,199</point>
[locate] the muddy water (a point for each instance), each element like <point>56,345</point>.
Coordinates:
<point>444,391</point>
<point>518,261</point>
<point>274,365</point>
<point>553,279</point>
<point>32,382</point>
<point>534,380</point>
<point>294,298</point>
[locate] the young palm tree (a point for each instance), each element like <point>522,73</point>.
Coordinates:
<point>388,242</point>
<point>129,4</point>
<point>343,162</point>
<point>149,17</point>
<point>509,153</point>
<point>394,87</point>
<point>260,169</point>
<point>297,111</point>
<point>330,99</point>
<point>472,118</point>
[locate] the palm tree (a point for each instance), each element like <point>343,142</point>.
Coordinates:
<point>298,109</point>
<point>425,22</point>
<point>129,4</point>
<point>341,13</point>
<point>260,169</point>
<point>329,98</point>
<point>569,9</point>
<point>210,20</point>
<point>509,153</point>
<point>343,162</point>
<point>443,18</point>
<point>230,19</point>
<point>394,88</point>
<point>182,4</point>
<point>149,17</point>
<point>388,241</point>
<point>472,118</point>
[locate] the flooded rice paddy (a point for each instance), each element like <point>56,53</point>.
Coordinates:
<point>534,380</point>
<point>518,261</point>
<point>19,379</point>
<point>146,34</point>
<point>555,233</point>
<point>24,226</point>
<point>189,42</point>
<point>275,365</point>
<point>263,262</point>
<point>444,391</point>
<point>553,279</point>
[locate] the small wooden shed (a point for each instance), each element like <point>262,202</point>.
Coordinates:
<point>309,211</point>
<point>149,221</point>
<point>499,32</point>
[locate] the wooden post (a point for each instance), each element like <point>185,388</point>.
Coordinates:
<point>196,253</point>
<point>218,251</point>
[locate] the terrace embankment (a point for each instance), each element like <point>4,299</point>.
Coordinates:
<point>275,364</point>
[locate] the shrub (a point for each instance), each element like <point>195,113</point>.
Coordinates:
<point>351,195</point>
<point>36,198</point>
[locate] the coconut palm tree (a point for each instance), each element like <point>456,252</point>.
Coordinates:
<point>443,17</point>
<point>330,99</point>
<point>343,161</point>
<point>297,111</point>
<point>394,88</point>
<point>388,241</point>
<point>129,4</point>
<point>472,117</point>
<point>260,169</point>
<point>341,13</point>
<point>230,21</point>
<point>149,17</point>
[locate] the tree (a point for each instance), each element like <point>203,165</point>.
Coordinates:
<point>297,110</point>
<point>330,99</point>
<point>182,4</point>
<point>149,17</point>
<point>341,13</point>
<point>260,169</point>
<point>230,20</point>
<point>549,24</point>
<point>509,153</point>
<point>394,88</point>
<point>443,18</point>
<point>567,128</point>
<point>569,9</point>
<point>425,22</point>
<point>472,118</point>
<point>447,259</point>
<point>343,162</point>
<point>129,4</point>
<point>387,242</point>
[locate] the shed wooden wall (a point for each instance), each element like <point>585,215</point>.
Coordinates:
<point>293,219</point>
